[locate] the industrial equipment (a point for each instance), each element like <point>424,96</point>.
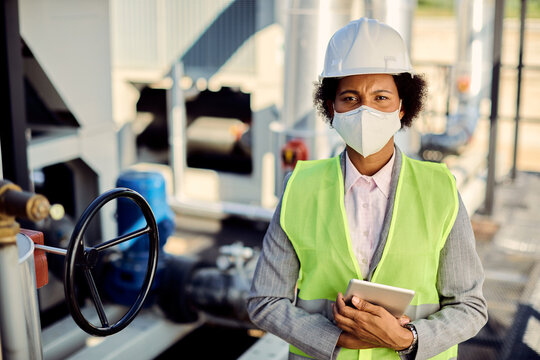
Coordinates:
<point>469,80</point>
<point>187,288</point>
<point>35,207</point>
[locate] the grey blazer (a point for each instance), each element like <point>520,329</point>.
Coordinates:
<point>463,311</point>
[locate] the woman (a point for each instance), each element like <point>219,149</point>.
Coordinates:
<point>370,213</point>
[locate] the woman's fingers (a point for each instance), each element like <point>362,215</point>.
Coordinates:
<point>366,306</point>
<point>404,319</point>
<point>342,308</point>
<point>359,304</point>
<point>348,316</point>
<point>368,322</point>
<point>340,300</point>
<point>343,322</point>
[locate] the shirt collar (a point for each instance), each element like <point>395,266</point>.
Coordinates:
<point>381,178</point>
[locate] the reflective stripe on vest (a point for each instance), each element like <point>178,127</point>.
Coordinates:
<point>313,217</point>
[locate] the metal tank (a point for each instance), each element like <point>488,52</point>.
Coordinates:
<point>396,13</point>
<point>128,271</point>
<point>309,24</point>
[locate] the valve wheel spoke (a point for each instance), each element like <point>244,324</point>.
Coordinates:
<point>96,298</point>
<point>121,239</point>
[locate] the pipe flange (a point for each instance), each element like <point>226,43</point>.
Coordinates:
<point>8,185</point>
<point>37,207</point>
<point>8,232</point>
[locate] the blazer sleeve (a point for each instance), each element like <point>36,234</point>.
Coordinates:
<point>271,300</point>
<point>463,307</point>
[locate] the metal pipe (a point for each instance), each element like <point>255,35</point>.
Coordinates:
<point>176,107</point>
<point>51,249</point>
<point>27,281</point>
<point>309,26</point>
<point>518,91</point>
<point>12,317</point>
<point>12,324</point>
<point>496,71</point>
<point>17,331</point>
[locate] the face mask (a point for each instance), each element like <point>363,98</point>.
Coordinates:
<point>365,129</point>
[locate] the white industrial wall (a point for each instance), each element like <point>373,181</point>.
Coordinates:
<point>71,41</point>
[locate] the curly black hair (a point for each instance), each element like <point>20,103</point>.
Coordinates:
<point>412,92</point>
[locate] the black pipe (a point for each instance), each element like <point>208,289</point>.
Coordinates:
<point>189,286</point>
<point>219,293</point>
<point>495,82</point>
<point>518,93</point>
<point>13,115</point>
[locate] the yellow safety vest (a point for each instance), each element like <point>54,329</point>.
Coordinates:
<point>313,217</point>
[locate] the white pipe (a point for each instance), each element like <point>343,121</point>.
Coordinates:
<point>220,209</point>
<point>12,318</point>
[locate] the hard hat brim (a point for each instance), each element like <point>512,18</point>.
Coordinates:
<point>366,72</point>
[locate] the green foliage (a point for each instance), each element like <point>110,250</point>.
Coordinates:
<point>435,8</point>
<point>512,8</point>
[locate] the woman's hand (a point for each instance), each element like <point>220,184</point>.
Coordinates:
<point>404,319</point>
<point>349,341</point>
<point>366,326</point>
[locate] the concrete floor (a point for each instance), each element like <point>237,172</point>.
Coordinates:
<point>508,243</point>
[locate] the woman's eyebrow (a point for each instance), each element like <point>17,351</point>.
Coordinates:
<point>382,91</point>
<point>349,91</point>
<point>355,92</point>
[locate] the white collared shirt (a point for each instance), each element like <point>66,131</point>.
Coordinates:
<point>365,204</point>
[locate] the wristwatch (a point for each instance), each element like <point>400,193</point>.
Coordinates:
<point>411,348</point>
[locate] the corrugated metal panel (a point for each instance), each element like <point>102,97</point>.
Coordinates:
<point>152,34</point>
<point>227,33</point>
<point>186,20</point>
<point>134,33</point>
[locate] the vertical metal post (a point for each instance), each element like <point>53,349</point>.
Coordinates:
<point>13,115</point>
<point>176,107</point>
<point>518,93</point>
<point>495,80</point>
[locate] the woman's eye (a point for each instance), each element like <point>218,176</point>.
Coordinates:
<point>381,97</point>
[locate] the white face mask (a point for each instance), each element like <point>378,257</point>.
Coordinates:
<point>365,129</point>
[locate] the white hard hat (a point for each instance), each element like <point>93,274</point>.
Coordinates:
<point>366,46</point>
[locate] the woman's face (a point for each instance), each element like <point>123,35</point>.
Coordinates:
<point>377,91</point>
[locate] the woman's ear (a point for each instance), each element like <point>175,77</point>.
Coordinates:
<point>330,106</point>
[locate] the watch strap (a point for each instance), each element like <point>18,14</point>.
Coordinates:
<point>411,348</point>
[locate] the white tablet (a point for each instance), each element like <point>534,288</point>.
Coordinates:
<point>393,299</point>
